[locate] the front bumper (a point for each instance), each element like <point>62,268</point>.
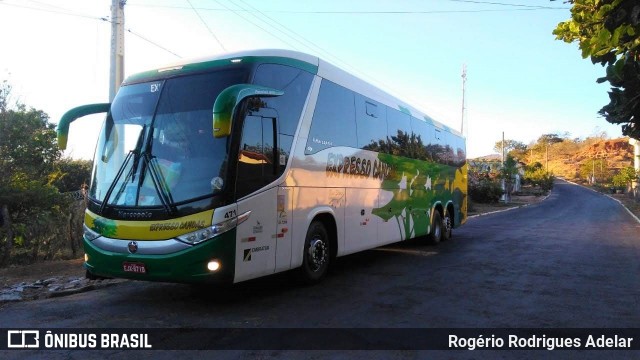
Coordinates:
<point>188,265</point>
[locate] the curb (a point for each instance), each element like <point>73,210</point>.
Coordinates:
<point>508,209</point>
<point>610,197</point>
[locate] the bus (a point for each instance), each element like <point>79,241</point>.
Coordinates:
<point>238,166</point>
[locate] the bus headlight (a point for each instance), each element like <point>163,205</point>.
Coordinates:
<point>210,232</point>
<point>89,234</point>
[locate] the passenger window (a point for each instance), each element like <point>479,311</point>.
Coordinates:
<point>421,136</point>
<point>448,155</point>
<point>371,120</point>
<point>333,121</point>
<point>400,136</point>
<point>461,152</point>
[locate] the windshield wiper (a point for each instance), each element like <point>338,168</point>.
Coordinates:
<point>159,183</point>
<point>115,181</point>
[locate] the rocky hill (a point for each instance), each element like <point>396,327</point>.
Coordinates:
<point>602,158</point>
<point>576,159</point>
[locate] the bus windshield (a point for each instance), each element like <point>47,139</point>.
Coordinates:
<point>157,148</point>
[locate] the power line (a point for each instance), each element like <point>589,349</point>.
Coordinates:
<point>410,12</point>
<point>60,12</point>
<point>207,26</point>
<point>154,43</point>
<point>308,43</point>
<point>519,7</point>
<point>302,42</point>
<point>50,5</point>
<point>256,25</point>
<point>279,24</point>
<point>67,12</point>
<point>305,42</point>
<point>509,4</point>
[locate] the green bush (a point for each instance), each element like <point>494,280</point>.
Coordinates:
<point>540,177</point>
<point>485,190</point>
<point>624,178</point>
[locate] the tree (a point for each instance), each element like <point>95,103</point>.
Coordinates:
<point>28,152</point>
<point>625,178</point>
<point>507,174</point>
<point>608,32</point>
<point>549,139</point>
<point>71,175</point>
<point>509,146</point>
<point>513,148</point>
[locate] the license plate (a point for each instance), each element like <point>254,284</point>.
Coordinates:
<point>137,268</point>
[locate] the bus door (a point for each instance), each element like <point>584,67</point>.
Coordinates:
<point>257,168</point>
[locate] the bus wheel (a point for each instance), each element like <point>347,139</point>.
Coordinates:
<point>315,260</point>
<point>447,226</point>
<point>436,228</point>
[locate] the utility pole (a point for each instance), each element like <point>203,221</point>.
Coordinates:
<point>503,149</point>
<point>464,82</point>
<point>503,181</point>
<point>116,70</point>
<point>546,147</point>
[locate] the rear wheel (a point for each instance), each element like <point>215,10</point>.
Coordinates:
<point>436,228</point>
<point>316,255</point>
<point>447,227</point>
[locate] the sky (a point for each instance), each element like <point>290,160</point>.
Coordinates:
<point>520,80</point>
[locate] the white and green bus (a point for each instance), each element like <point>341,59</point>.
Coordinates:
<point>248,164</point>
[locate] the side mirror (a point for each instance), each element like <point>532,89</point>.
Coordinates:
<point>229,98</point>
<point>73,114</point>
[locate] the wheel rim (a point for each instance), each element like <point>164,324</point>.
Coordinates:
<point>317,253</point>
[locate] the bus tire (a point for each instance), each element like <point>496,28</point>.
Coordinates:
<point>435,236</point>
<point>316,255</point>
<point>447,227</point>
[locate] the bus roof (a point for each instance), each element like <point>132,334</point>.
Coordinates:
<point>296,59</point>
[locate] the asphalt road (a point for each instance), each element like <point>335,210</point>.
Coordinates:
<point>570,261</point>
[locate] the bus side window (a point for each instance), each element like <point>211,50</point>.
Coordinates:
<point>371,121</point>
<point>333,121</point>
<point>462,152</point>
<point>399,138</point>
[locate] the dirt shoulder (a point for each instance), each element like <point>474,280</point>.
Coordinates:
<point>516,201</point>
<point>46,279</point>
<point>38,271</point>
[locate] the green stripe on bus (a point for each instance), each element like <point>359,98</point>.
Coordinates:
<point>210,65</point>
<point>404,109</point>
